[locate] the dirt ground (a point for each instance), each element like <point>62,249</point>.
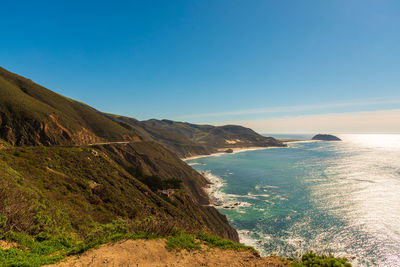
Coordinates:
<point>153,253</point>
<point>7,244</point>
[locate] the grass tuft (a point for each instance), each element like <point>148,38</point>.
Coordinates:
<point>311,259</point>
<point>46,249</point>
<point>216,241</point>
<point>33,252</point>
<point>181,241</point>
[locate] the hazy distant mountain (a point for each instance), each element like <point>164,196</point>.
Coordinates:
<point>175,142</point>
<point>187,139</point>
<point>227,136</point>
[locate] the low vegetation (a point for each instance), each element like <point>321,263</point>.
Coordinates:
<point>32,251</point>
<point>312,259</point>
<point>218,242</point>
<point>72,189</point>
<point>45,248</point>
<point>155,183</point>
<point>181,241</point>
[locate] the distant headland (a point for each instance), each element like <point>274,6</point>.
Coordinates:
<point>326,137</point>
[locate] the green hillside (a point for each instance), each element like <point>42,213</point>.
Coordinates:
<point>80,178</point>
<point>57,189</point>
<point>175,142</point>
<point>32,115</point>
<point>215,137</point>
<point>186,139</point>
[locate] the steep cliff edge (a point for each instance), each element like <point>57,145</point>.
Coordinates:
<point>47,189</point>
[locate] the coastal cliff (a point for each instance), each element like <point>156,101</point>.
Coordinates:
<point>69,163</point>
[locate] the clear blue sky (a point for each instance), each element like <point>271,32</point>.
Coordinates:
<point>211,61</point>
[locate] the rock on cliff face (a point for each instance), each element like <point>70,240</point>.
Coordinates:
<point>326,137</point>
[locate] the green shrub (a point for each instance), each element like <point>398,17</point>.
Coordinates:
<point>16,257</point>
<point>216,241</point>
<point>3,221</point>
<point>41,246</point>
<point>34,252</point>
<point>181,241</point>
<point>46,248</point>
<point>111,232</point>
<point>172,183</point>
<point>312,259</point>
<point>155,183</point>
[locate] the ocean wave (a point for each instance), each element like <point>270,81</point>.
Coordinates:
<point>259,187</point>
<point>249,238</point>
<point>257,196</point>
<point>195,163</point>
<point>220,198</point>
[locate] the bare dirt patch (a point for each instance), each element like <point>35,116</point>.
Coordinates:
<point>7,244</point>
<point>153,253</point>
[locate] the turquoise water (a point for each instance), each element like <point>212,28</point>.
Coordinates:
<point>340,197</point>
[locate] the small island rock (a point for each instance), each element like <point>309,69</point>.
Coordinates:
<point>326,137</point>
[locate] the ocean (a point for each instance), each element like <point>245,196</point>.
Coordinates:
<point>338,197</point>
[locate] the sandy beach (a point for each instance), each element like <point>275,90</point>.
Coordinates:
<point>221,151</point>
<point>299,141</point>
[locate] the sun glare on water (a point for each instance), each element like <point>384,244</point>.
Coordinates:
<point>389,141</point>
<point>363,188</point>
<point>340,197</point>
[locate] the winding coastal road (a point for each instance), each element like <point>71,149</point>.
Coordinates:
<point>108,143</point>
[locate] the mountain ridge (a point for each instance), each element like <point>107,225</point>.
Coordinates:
<point>187,139</point>
<point>33,115</point>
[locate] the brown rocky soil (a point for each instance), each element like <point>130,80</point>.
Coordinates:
<point>7,244</point>
<point>152,253</point>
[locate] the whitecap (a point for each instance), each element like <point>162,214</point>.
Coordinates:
<point>220,198</point>
<point>195,163</point>
<point>248,238</point>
